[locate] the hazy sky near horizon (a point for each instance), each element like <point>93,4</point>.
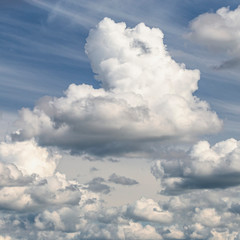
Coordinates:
<point>119,119</point>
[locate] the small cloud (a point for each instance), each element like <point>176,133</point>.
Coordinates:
<point>93,169</point>
<point>97,185</point>
<point>229,64</point>
<point>122,180</point>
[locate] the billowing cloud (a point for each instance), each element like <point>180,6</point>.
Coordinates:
<point>220,32</point>
<point>122,180</point>
<point>5,238</point>
<point>29,158</point>
<point>207,217</point>
<point>42,204</point>
<point>205,167</point>
<point>145,96</point>
<point>148,210</point>
<point>51,206</point>
<point>29,179</point>
<point>174,233</point>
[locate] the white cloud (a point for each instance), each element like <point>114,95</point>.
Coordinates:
<point>42,204</point>
<point>29,179</point>
<point>223,235</point>
<point>10,175</point>
<point>145,96</point>
<point>219,32</point>
<point>137,231</point>
<point>5,238</point>
<point>148,210</point>
<point>206,166</point>
<point>174,233</point>
<point>28,157</point>
<point>220,159</point>
<point>207,217</point>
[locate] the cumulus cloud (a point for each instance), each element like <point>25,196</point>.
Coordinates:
<point>223,235</point>
<point>206,166</point>
<point>173,233</point>
<point>220,32</point>
<point>49,206</point>
<point>29,158</point>
<point>148,210</point>
<point>137,231</point>
<point>29,179</point>
<point>207,217</point>
<point>41,203</point>
<point>197,215</point>
<point>5,238</point>
<point>145,96</point>
<point>122,180</point>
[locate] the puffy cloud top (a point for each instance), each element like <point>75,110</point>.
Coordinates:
<point>145,96</point>
<point>206,166</point>
<point>148,210</point>
<point>218,31</point>
<point>28,157</point>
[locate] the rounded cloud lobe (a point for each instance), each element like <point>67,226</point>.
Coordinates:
<point>205,167</point>
<point>145,96</point>
<point>219,32</point>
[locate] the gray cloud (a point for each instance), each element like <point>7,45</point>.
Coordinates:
<point>122,180</point>
<point>97,185</point>
<point>205,167</point>
<point>229,64</point>
<point>93,169</point>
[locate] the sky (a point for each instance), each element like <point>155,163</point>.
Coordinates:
<point>119,119</point>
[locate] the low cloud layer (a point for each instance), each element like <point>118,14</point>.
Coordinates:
<point>145,96</point>
<point>46,205</point>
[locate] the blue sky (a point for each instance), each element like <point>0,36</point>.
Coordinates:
<point>136,154</point>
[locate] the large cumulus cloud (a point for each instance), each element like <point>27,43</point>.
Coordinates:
<point>145,96</point>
